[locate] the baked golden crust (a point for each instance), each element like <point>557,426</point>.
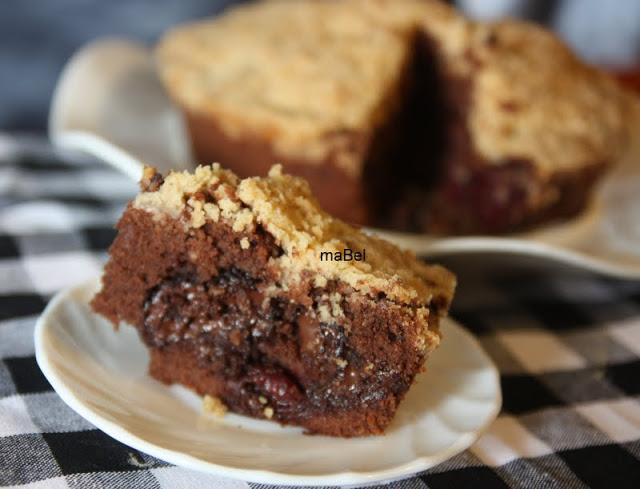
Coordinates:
<point>284,207</point>
<point>297,72</point>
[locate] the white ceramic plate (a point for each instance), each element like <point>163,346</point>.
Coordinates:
<point>101,373</point>
<point>124,117</point>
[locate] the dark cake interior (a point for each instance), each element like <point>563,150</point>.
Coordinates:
<point>408,151</point>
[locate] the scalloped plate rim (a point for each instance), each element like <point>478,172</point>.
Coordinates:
<point>113,429</point>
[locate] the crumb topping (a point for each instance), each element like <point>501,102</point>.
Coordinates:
<point>284,207</point>
<point>214,405</point>
<point>268,412</point>
<point>534,99</point>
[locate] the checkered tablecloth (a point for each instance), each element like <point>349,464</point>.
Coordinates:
<point>567,345</point>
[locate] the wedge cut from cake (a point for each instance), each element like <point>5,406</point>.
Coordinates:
<point>243,290</point>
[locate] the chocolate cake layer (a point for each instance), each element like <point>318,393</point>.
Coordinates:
<point>215,304</point>
<point>251,351</point>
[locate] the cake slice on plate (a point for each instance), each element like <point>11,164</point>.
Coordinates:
<point>246,291</point>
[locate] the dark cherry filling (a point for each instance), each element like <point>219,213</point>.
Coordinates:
<point>482,199</point>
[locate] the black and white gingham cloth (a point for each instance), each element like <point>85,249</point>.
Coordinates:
<point>568,348</point>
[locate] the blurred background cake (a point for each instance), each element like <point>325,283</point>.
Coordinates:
<point>402,113</point>
<point>490,165</point>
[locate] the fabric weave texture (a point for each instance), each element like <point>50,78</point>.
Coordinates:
<point>567,346</point>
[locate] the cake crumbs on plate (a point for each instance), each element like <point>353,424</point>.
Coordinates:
<point>268,412</point>
<point>214,405</point>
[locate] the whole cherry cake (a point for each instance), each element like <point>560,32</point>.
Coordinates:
<point>247,292</point>
<point>400,113</point>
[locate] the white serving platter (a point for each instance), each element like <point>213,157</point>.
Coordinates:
<point>101,373</point>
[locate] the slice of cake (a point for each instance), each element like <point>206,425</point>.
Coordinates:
<point>246,291</point>
<point>400,113</point>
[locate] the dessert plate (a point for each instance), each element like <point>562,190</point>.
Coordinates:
<point>101,373</point>
<point>124,118</point>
